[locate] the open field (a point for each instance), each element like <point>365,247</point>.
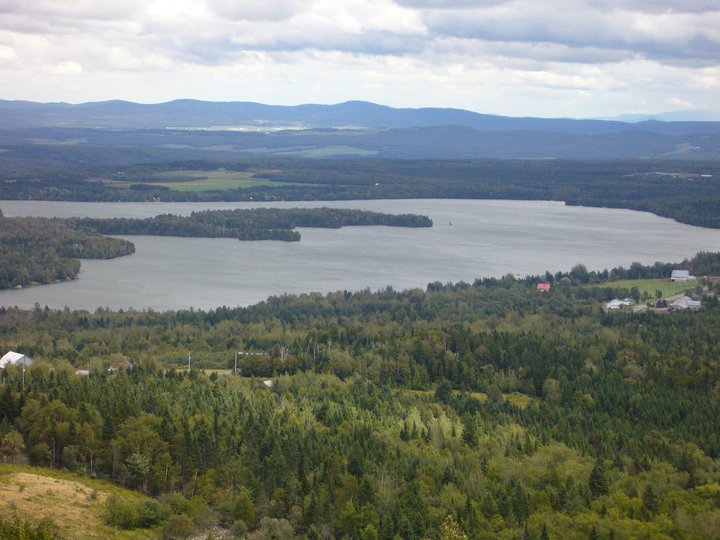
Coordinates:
<point>315,151</point>
<point>76,505</point>
<point>667,287</point>
<point>516,399</point>
<point>195,180</point>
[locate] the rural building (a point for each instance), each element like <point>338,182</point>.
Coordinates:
<point>13,358</point>
<point>543,287</point>
<point>685,302</point>
<point>681,276</point>
<point>618,303</point>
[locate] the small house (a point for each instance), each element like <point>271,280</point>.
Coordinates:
<point>681,276</point>
<point>13,358</point>
<point>543,287</point>
<point>619,303</point>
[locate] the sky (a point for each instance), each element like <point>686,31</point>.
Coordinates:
<point>547,58</point>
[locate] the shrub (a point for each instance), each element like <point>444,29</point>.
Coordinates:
<point>178,526</point>
<point>122,513</point>
<point>132,514</point>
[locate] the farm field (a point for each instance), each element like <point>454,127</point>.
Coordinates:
<point>196,180</point>
<point>649,286</point>
<point>315,151</point>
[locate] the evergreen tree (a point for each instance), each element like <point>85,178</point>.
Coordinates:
<point>598,481</point>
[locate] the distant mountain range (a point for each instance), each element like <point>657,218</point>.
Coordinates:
<point>694,115</point>
<point>352,128</point>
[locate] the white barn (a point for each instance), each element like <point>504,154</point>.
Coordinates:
<point>13,358</point>
<point>685,302</point>
<point>682,276</point>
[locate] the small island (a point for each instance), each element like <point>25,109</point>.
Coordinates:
<point>35,251</point>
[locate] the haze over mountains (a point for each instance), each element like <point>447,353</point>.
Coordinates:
<point>353,128</point>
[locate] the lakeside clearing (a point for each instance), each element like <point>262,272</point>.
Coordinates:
<point>650,286</point>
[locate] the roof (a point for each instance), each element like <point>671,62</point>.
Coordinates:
<point>543,287</point>
<point>685,302</point>
<point>617,303</point>
<point>14,359</point>
<point>680,274</point>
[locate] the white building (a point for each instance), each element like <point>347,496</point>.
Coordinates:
<point>685,302</point>
<point>681,276</point>
<point>618,303</point>
<point>15,359</point>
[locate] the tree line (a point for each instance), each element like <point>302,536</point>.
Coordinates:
<point>687,191</point>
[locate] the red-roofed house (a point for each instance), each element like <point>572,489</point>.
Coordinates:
<point>543,287</point>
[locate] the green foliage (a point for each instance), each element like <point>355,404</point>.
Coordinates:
<point>16,528</point>
<point>40,250</point>
<point>511,411</point>
<point>178,526</point>
<point>122,513</point>
<point>680,192</point>
<point>249,224</point>
<point>598,481</point>
<point>11,444</point>
<point>134,513</point>
<point>451,530</point>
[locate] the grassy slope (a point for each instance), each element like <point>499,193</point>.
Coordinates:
<point>76,505</point>
<point>667,287</point>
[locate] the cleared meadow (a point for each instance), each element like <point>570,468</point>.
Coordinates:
<point>196,180</point>
<point>649,286</point>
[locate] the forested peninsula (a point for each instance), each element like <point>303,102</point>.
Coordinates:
<point>40,250</point>
<point>250,224</point>
<point>477,410</point>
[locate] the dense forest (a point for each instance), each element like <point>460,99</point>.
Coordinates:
<point>40,250</point>
<point>483,410</point>
<point>686,191</point>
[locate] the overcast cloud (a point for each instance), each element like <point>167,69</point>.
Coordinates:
<point>577,58</point>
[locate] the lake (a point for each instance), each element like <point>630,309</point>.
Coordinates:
<point>469,239</point>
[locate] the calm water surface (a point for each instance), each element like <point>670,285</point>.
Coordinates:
<point>470,239</point>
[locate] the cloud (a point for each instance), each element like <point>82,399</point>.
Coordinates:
<point>662,36</point>
<point>494,55</point>
<point>73,9</point>
<point>551,6</point>
<point>257,10</point>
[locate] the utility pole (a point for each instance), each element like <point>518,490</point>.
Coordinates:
<point>189,357</point>
<point>23,380</point>
<point>235,368</point>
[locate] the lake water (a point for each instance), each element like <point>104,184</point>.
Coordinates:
<point>469,239</point>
